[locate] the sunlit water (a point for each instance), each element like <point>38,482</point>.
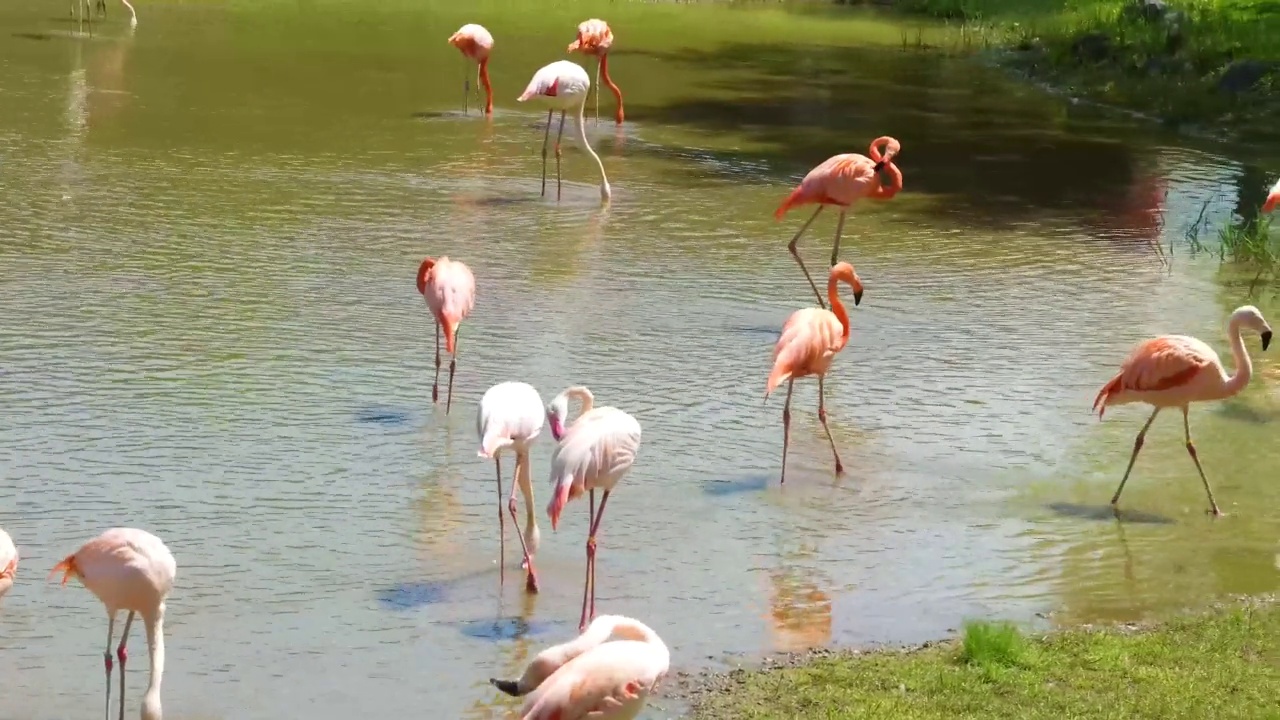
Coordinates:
<point>210,330</point>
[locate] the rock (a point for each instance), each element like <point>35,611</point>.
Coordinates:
<point>1244,75</point>
<point>1146,10</point>
<point>1091,47</point>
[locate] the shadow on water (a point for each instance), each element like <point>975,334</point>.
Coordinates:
<point>507,628</point>
<point>410,595</point>
<point>1238,410</point>
<point>737,486</point>
<point>388,416</point>
<point>1107,513</point>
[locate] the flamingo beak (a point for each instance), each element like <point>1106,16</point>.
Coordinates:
<point>557,429</point>
<point>857,297</point>
<point>1266,339</point>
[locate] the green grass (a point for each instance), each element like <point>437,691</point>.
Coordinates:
<point>1247,245</point>
<point>1222,665</point>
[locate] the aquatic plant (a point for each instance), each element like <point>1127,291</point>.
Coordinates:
<point>1246,243</point>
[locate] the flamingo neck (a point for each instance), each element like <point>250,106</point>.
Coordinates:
<point>1244,366</point>
<point>526,489</point>
<point>423,270</point>
<point>583,396</point>
<point>605,191</point>
<point>133,16</point>
<point>617,93</point>
<point>155,643</point>
<point>837,307</point>
<point>488,89</point>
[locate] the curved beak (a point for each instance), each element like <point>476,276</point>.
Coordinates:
<point>1266,339</point>
<point>857,297</point>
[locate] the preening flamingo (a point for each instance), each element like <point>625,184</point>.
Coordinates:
<point>1272,199</point>
<point>595,38</point>
<point>1173,371</point>
<point>562,86</point>
<point>606,673</point>
<point>475,43</point>
<point>511,416</point>
<point>841,181</point>
<point>594,452</point>
<point>131,570</point>
<point>450,290</point>
<point>8,562</point>
<point>810,340</point>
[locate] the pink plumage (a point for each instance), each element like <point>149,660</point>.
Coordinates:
<point>473,41</point>
<point>1272,199</point>
<point>450,292</point>
<point>511,416</point>
<point>8,562</point>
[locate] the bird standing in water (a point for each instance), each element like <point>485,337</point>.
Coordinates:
<point>606,673</point>
<point>450,291</point>
<point>132,570</point>
<point>562,86</point>
<point>475,43</point>
<point>841,181</point>
<point>594,452</point>
<point>8,562</point>
<point>511,416</point>
<point>810,340</point>
<point>595,38</point>
<point>1173,371</point>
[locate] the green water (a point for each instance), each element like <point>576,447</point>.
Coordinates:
<point>208,234</point>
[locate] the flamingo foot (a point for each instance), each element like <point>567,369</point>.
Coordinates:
<point>531,583</point>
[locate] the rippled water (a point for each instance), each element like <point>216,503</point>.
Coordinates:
<point>211,331</point>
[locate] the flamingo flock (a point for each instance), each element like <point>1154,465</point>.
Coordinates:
<point>615,663</point>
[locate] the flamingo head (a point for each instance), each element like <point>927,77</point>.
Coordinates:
<point>423,270</point>
<point>557,411</point>
<point>1250,317</point>
<point>844,272</point>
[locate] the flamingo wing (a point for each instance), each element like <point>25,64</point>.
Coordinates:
<point>601,444</point>
<point>508,411</point>
<point>1273,199</point>
<point>8,556</point>
<point>810,339</point>
<point>839,180</point>
<point>451,289</point>
<point>1158,364</point>
<point>594,37</point>
<point>609,682</point>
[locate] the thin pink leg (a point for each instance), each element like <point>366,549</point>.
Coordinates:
<point>435,384</point>
<point>591,554</point>
<point>795,252</point>
<point>835,246</point>
<point>106,658</point>
<point>786,429</point>
<point>453,365</point>
<point>123,655</point>
<point>559,137</point>
<point>531,578</point>
<point>1137,445</point>
<point>546,138</point>
<point>591,559</point>
<point>822,415</point>
<point>502,527</point>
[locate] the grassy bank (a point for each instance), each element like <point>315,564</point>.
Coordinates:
<point>1214,64</point>
<point>1225,664</point>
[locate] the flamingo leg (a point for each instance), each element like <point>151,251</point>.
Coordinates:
<point>559,136</point>
<point>546,138</point>
<point>1137,445</point>
<point>795,253</point>
<point>596,88</point>
<point>435,384</point>
<point>466,94</point>
<point>477,87</point>
<point>123,655</point>
<point>1186,426</point>
<point>531,580</point>
<point>591,554</point>
<point>822,415</point>
<point>502,524</point>
<point>453,365</point>
<point>102,7</point>
<point>588,615</point>
<point>786,429</point>
<point>106,657</point>
<point>835,247</point>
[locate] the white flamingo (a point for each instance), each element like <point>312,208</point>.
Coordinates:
<point>82,6</point>
<point>563,86</point>
<point>9,562</point>
<point>595,452</point>
<point>511,416</point>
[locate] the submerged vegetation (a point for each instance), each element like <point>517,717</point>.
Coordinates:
<point>1247,244</point>
<point>1207,63</point>
<point>1225,664</point>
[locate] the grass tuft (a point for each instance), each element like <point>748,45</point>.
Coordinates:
<point>992,645</point>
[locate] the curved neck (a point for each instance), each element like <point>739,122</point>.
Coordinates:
<point>488,89</point>
<point>155,643</point>
<point>583,396</point>
<point>617,93</point>
<point>837,307</point>
<point>1244,366</point>
<point>133,16</point>
<point>423,270</point>
<point>605,192</point>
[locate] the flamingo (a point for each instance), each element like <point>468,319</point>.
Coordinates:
<point>562,86</point>
<point>511,415</point>
<point>450,290</point>
<point>810,340</point>
<point>1173,371</point>
<point>475,43</point>
<point>595,38</point>
<point>1272,199</point>
<point>841,181</point>
<point>101,6</point>
<point>606,673</point>
<point>8,562</point>
<point>594,452</point>
<point>127,569</point>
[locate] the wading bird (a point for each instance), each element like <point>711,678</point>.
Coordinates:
<point>595,38</point>
<point>841,181</point>
<point>594,452</point>
<point>475,43</point>
<point>450,290</point>
<point>8,562</point>
<point>1173,371</point>
<point>809,342</point>
<point>606,673</point>
<point>562,86</point>
<point>511,416</point>
<point>101,6</point>
<point>131,570</point>
<point>1272,199</point>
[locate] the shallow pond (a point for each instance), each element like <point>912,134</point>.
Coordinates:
<point>209,234</point>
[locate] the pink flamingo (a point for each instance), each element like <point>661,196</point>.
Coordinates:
<point>562,86</point>
<point>595,452</point>
<point>511,416</point>
<point>475,43</point>
<point>450,290</point>
<point>606,673</point>
<point>810,340</point>
<point>1272,199</point>
<point>1173,371</point>
<point>132,570</point>
<point>8,562</point>
<point>841,181</point>
<point>595,38</point>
